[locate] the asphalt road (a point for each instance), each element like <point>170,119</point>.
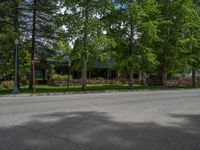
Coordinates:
<point>157,120</point>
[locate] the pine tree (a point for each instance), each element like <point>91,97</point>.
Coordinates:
<point>8,33</point>
<point>39,17</point>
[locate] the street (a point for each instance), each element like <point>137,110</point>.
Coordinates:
<point>147,120</point>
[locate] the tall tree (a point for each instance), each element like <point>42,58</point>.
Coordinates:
<point>189,41</point>
<point>82,20</point>
<point>34,9</point>
<point>9,31</point>
<point>40,23</point>
<point>168,51</point>
<point>134,27</point>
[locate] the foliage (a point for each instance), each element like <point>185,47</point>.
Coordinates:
<point>7,37</point>
<point>82,20</point>
<point>99,78</point>
<point>59,77</point>
<point>153,36</point>
<point>24,63</point>
<point>170,50</point>
<point>189,42</point>
<point>7,84</point>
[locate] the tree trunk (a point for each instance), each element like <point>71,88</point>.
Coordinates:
<point>16,26</point>
<point>193,77</point>
<point>84,74</point>
<point>43,75</point>
<point>85,52</point>
<point>108,74</point>
<point>89,74</point>
<point>130,71</point>
<point>164,71</point>
<point>164,77</point>
<point>143,79</point>
<point>33,44</point>
<point>118,74</point>
<point>130,80</point>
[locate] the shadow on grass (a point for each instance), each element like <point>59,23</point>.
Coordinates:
<point>5,92</point>
<point>97,131</point>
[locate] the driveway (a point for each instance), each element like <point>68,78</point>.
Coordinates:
<point>153,120</point>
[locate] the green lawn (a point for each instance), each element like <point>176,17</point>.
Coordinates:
<point>50,89</point>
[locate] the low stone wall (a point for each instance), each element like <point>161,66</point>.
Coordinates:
<point>91,82</point>
<point>63,82</point>
<point>182,81</point>
<point>178,81</point>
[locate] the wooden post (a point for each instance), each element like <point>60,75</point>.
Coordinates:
<point>34,80</point>
<point>33,65</point>
<point>68,78</point>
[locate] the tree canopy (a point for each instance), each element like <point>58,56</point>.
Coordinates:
<point>152,36</point>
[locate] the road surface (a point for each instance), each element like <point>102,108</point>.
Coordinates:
<point>153,120</point>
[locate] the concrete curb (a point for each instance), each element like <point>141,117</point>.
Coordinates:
<point>89,92</point>
<point>66,93</point>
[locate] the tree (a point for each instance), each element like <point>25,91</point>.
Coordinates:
<point>189,42</point>
<point>179,34</point>
<point>134,27</point>
<point>168,50</point>
<point>40,23</point>
<point>82,20</point>
<point>9,11</point>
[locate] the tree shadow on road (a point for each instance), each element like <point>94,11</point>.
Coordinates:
<point>98,131</point>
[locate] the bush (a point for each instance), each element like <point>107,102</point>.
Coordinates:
<point>7,84</point>
<point>99,78</point>
<point>60,77</point>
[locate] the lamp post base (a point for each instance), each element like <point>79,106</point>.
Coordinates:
<point>15,89</point>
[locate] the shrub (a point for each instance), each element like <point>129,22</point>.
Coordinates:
<point>99,78</point>
<point>7,84</point>
<point>60,77</point>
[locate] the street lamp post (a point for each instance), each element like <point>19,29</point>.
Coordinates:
<point>15,87</point>
<point>69,68</point>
